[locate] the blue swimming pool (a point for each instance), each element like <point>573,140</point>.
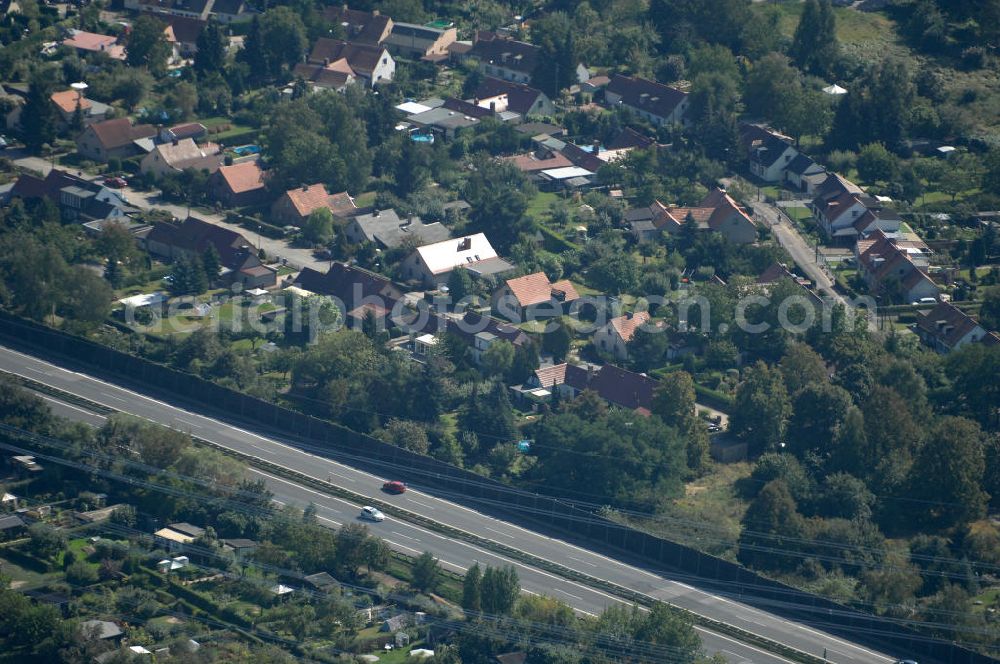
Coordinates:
<point>422,138</point>
<point>244,150</point>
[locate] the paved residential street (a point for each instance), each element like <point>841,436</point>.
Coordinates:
<point>793,242</point>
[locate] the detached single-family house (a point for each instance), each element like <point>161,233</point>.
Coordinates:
<point>335,76</point>
<point>295,205</point>
<point>321,582</point>
<point>500,95</point>
<point>614,336</point>
<point>361,27</point>
<point>804,175</point>
<point>838,204</point>
<point>180,155</point>
<point>420,42</point>
<point>619,387</point>
<point>895,269</point>
<point>198,9</point>
<point>356,291</point>
<point>79,200</point>
<point>502,57</point>
<point>90,42</point>
<point>237,256</point>
<point>387,230</point>
<point>192,130</point>
<point>67,103</point>
<point>659,104</point>
<point>771,156</point>
<point>102,141</point>
<point>946,328</point>
<point>181,32</point>
<point>432,264</point>
<point>238,185</point>
<point>718,212</point>
<point>533,296</point>
<point>370,62</point>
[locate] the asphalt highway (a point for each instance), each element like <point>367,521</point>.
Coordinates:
<point>454,554</point>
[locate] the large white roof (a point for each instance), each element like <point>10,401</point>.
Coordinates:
<point>567,172</point>
<point>449,254</point>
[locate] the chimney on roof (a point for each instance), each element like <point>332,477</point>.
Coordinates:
<point>175,141</point>
<point>305,187</point>
<point>375,12</point>
<point>465,244</point>
<point>376,213</point>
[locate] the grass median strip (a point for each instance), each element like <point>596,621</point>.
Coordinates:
<point>455,533</point>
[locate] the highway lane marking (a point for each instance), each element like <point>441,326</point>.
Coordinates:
<point>569,594</point>
<point>344,477</point>
<point>396,532</point>
<point>190,424</point>
<point>500,533</point>
<point>581,561</point>
<point>298,451</point>
<point>69,405</point>
<point>716,635</point>
<point>421,504</point>
<point>480,552</point>
<point>822,635</point>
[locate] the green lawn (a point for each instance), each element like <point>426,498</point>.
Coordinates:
<point>798,213</point>
<point>539,206</point>
<point>22,577</point>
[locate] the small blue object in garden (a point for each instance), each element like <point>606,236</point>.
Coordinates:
<point>523,445</point>
<point>422,138</point>
<point>245,150</point>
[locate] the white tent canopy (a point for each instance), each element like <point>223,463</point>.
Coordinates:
<point>835,90</point>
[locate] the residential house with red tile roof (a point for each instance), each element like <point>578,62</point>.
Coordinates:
<point>614,336</point>
<point>239,185</point>
<point>539,160</point>
<point>369,62</point>
<point>657,103</point>
<point>895,270</point>
<point>946,328</point>
<point>193,236</point>
<point>335,76</point>
<point>295,205</point>
<point>718,212</point>
<point>112,138</point>
<point>532,297</point>
<point>67,102</point>
<point>91,42</point>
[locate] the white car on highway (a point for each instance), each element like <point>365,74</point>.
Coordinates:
<point>371,514</point>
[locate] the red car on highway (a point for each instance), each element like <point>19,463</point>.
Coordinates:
<point>394,486</point>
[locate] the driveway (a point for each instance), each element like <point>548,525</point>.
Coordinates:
<point>296,257</point>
